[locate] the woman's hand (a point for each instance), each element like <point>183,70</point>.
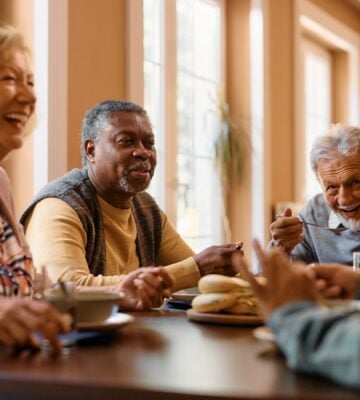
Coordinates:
<point>21,318</point>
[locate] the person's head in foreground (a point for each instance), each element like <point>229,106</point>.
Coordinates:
<point>335,159</point>
<point>313,337</point>
<point>19,318</point>
<point>118,149</point>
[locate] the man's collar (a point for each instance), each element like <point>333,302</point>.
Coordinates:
<point>334,221</point>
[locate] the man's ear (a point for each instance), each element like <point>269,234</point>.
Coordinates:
<point>90,147</point>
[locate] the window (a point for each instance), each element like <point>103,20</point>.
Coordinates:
<point>317,74</point>
<point>186,181</point>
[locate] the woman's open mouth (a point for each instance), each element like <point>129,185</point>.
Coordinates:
<point>16,119</point>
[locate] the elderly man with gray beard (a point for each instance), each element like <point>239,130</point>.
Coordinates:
<point>97,226</point>
<point>335,159</point>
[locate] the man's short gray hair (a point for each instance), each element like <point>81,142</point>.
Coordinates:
<point>99,117</point>
<point>339,140</point>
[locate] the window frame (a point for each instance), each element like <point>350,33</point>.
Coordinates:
<point>51,66</point>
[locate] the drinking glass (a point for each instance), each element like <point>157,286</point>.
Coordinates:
<point>356,260</point>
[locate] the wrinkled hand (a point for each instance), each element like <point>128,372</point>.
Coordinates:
<point>144,288</point>
<point>20,318</point>
<point>335,280</point>
<point>285,281</point>
<point>287,231</point>
<point>217,259</point>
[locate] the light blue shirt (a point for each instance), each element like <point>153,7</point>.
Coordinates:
<point>319,341</point>
<point>320,245</point>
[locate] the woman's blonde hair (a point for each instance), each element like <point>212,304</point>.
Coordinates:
<point>10,37</point>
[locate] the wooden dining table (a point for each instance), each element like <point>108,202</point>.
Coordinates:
<point>163,355</point>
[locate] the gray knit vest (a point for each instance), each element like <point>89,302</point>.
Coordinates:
<point>78,192</point>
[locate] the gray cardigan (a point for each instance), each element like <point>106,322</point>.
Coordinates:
<point>320,245</point>
<point>76,189</point>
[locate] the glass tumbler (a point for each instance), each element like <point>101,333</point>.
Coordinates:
<point>356,260</point>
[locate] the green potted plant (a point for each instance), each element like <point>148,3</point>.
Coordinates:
<point>231,146</point>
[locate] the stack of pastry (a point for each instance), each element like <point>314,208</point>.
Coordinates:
<point>219,293</point>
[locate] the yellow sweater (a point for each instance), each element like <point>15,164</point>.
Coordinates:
<point>58,241</point>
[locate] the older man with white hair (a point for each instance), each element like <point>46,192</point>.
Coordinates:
<point>335,159</point>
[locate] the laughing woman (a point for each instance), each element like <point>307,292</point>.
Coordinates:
<point>19,315</point>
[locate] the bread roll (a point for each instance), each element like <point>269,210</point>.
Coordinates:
<point>244,306</point>
<point>214,302</point>
<point>221,284</point>
<point>226,294</point>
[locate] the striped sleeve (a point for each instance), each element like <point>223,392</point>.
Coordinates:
<point>15,266</point>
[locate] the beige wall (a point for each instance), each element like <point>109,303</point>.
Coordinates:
<point>96,61</point>
<point>280,100</point>
<point>238,96</point>
<point>340,85</point>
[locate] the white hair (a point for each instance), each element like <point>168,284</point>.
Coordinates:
<point>339,140</point>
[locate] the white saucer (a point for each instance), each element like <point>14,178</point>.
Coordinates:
<point>114,322</point>
<point>224,319</point>
<point>264,334</point>
<point>186,294</point>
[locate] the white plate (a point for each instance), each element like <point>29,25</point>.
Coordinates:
<point>114,322</point>
<point>224,319</point>
<point>264,334</point>
<point>186,294</point>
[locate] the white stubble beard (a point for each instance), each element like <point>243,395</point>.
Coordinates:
<point>352,224</point>
<point>128,187</point>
